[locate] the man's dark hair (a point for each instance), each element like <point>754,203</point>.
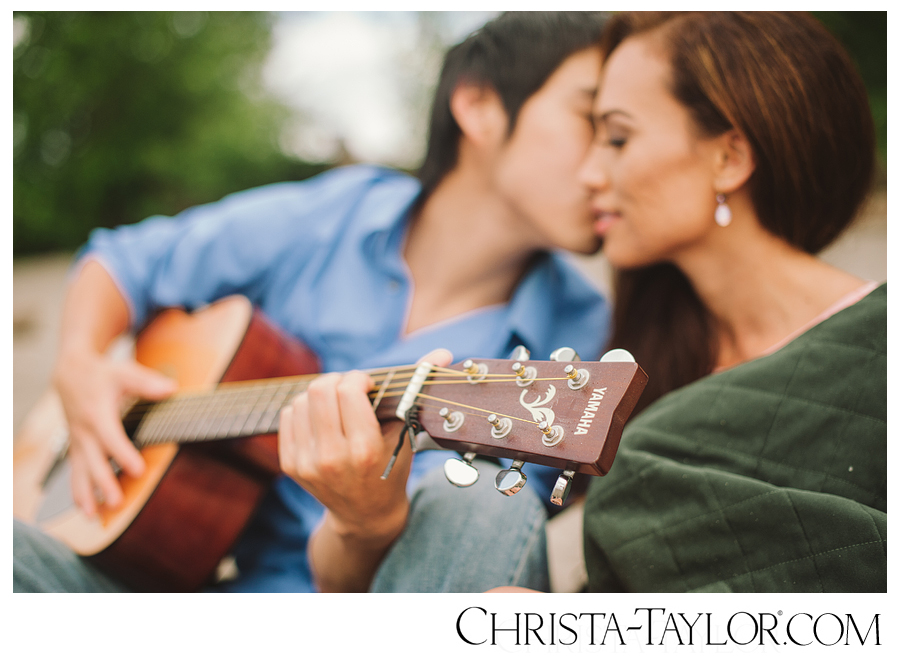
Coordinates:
<point>514,54</point>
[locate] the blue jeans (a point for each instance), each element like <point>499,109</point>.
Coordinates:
<point>467,540</point>
<point>43,564</point>
<point>456,540</point>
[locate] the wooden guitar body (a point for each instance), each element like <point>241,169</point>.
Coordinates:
<point>211,451</point>
<point>186,511</point>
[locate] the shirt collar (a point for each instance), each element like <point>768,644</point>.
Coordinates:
<point>385,212</point>
<point>555,301</point>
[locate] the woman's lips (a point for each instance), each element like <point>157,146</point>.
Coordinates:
<point>604,220</point>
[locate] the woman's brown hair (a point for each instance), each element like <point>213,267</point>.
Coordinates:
<point>789,87</point>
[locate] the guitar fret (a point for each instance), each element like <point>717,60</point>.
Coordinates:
<point>241,424</point>
<point>213,409</point>
<point>244,409</point>
<point>148,428</point>
<point>225,413</point>
<point>181,419</point>
<point>196,423</point>
<point>270,417</point>
<point>234,413</point>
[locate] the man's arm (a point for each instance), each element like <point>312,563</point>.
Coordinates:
<point>92,388</point>
<point>331,443</point>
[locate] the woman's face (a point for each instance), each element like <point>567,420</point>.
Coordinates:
<point>650,174</point>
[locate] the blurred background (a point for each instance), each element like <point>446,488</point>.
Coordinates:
<point>121,115</point>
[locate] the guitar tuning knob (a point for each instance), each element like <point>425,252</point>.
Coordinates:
<point>562,487</point>
<point>510,480</point>
<point>461,472</point>
<point>564,354</point>
<point>618,355</point>
<point>520,353</point>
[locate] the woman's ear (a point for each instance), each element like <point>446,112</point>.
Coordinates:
<point>480,114</point>
<point>734,162</point>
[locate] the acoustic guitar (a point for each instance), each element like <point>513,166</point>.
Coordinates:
<point>211,449</point>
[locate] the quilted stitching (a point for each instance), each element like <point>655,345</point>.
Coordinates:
<point>770,476</point>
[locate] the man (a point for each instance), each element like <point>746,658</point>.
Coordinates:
<point>369,268</point>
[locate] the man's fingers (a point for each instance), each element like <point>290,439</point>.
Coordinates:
<point>102,476</point>
<point>324,411</point>
<point>144,382</point>
<point>358,420</point>
<point>286,439</point>
<point>438,357</point>
<point>82,487</point>
<point>116,444</point>
<point>92,475</point>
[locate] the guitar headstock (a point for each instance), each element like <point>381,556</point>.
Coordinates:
<point>564,413</point>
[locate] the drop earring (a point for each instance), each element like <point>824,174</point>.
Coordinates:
<point>723,212</point>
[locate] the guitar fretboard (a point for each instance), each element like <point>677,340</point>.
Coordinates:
<point>232,410</point>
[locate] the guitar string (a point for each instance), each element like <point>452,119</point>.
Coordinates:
<point>218,397</point>
<point>374,374</point>
<point>225,389</point>
<point>258,385</point>
<point>224,395</point>
<point>160,435</point>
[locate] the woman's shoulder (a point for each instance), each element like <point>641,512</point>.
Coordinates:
<point>862,325</point>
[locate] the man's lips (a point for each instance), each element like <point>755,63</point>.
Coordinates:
<point>604,220</point>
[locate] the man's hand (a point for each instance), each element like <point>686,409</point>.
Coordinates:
<point>93,391</point>
<point>331,443</point>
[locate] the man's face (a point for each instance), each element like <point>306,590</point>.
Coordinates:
<point>537,167</point>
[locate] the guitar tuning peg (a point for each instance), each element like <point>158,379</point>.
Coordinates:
<point>561,488</point>
<point>520,353</point>
<point>510,480</point>
<point>578,377</point>
<point>564,354</point>
<point>461,472</point>
<point>501,426</point>
<point>618,355</point>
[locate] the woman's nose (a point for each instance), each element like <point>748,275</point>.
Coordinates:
<point>592,173</point>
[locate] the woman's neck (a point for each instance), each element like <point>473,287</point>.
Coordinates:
<point>760,290</point>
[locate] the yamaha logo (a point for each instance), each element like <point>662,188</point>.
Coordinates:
<point>590,412</point>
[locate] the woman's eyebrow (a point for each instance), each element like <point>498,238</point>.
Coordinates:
<point>604,115</point>
<point>600,118</point>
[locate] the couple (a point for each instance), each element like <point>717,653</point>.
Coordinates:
<point>720,153</point>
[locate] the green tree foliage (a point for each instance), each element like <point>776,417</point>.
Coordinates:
<point>120,115</point>
<point>864,34</point>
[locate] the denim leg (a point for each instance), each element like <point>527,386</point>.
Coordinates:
<point>43,564</point>
<point>467,540</point>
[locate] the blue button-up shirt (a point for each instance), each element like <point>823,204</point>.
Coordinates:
<point>323,259</point>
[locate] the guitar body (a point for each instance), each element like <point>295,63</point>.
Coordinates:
<point>211,452</point>
<point>189,507</point>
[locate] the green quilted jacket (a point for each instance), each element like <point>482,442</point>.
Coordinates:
<point>771,476</point>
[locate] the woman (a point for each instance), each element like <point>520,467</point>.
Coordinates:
<point>731,148</point>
